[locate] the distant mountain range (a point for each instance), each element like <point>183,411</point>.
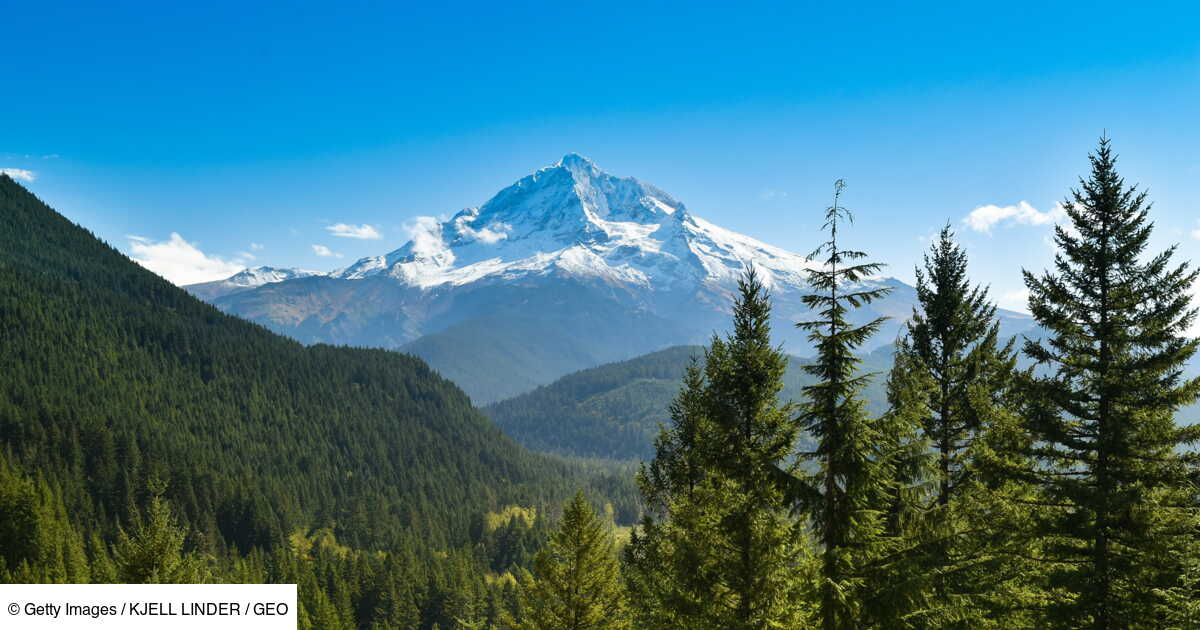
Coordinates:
<point>566,269</point>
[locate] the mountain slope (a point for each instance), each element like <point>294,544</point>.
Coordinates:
<point>614,410</point>
<point>113,378</point>
<point>567,268</point>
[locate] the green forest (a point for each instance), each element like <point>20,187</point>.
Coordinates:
<point>133,414</point>
<point>614,411</point>
<point>1030,483</point>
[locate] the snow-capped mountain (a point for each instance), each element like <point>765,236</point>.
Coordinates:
<point>574,219</point>
<point>567,268</point>
<point>248,279</point>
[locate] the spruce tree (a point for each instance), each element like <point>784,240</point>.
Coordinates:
<point>851,487</point>
<point>1118,510</point>
<point>719,547</point>
<point>576,581</point>
<point>952,348</point>
<point>154,553</point>
<point>954,334</point>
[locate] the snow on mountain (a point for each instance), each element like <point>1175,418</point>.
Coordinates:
<point>575,219</point>
<point>565,269</point>
<point>248,279</point>
<point>257,276</point>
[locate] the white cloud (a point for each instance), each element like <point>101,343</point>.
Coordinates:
<point>983,218</point>
<point>179,261</point>
<point>19,173</point>
<point>321,250</point>
<point>426,235</point>
<point>770,195</point>
<point>364,231</point>
<point>493,233</point>
<point>255,246</point>
<point>1015,300</point>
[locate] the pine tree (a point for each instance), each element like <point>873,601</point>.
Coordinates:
<point>852,486</point>
<point>576,578</point>
<point>955,335</point>
<point>719,548</point>
<point>899,574</point>
<point>952,340</point>
<point>668,567</point>
<point>1118,511</point>
<point>154,553</point>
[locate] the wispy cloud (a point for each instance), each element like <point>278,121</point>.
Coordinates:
<point>493,233</point>
<point>321,250</point>
<point>425,234</point>
<point>179,261</point>
<point>984,218</point>
<point>346,230</point>
<point>19,173</point>
<point>770,195</point>
<point>254,247</point>
<point>1015,300</point>
<point>1196,232</point>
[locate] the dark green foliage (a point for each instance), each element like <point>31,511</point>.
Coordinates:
<point>113,378</point>
<point>854,467</point>
<point>955,379</point>
<point>611,411</point>
<point>38,543</point>
<point>576,582</point>
<point>955,337</point>
<point>719,547</point>
<point>147,437</point>
<point>154,552</point>
<point>1118,513</point>
<point>615,410</point>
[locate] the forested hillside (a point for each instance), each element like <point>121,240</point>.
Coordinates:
<point>960,479</point>
<point>614,411</point>
<point>121,393</point>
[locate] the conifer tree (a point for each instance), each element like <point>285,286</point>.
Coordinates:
<point>154,553</point>
<point>849,491</point>
<point>955,335</point>
<point>719,548</point>
<point>952,344</point>
<point>899,573</point>
<point>576,581</point>
<point>1118,510</point>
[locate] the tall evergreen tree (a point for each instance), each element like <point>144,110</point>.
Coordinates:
<point>952,343</point>
<point>576,583</point>
<point>954,334</point>
<point>849,492</point>
<point>719,548</point>
<point>1118,510</point>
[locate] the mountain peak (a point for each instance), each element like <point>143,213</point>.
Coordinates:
<point>572,219</point>
<point>248,279</point>
<point>576,161</point>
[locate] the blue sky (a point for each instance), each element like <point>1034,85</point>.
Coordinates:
<point>254,131</point>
